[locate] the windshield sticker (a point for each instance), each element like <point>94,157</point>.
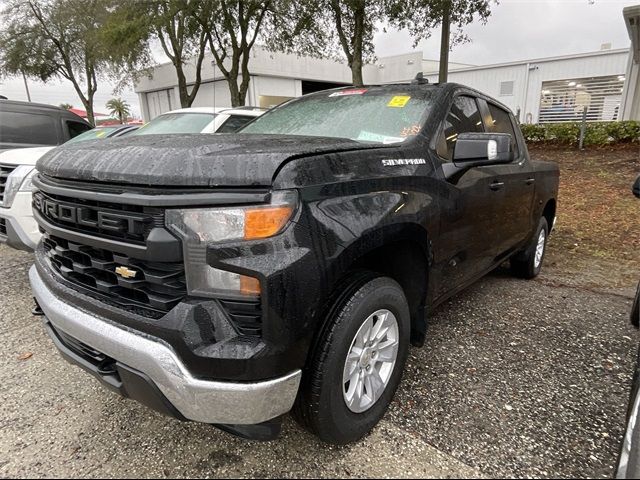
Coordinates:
<point>353,91</point>
<point>392,162</point>
<point>101,134</point>
<point>399,101</point>
<point>410,131</point>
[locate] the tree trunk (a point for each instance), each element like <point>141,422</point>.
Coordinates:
<point>185,101</point>
<point>88,106</point>
<point>444,44</point>
<point>356,72</point>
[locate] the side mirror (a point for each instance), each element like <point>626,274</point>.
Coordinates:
<point>636,187</point>
<point>478,149</point>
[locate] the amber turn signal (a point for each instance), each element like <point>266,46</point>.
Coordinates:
<point>265,222</point>
<point>249,285</point>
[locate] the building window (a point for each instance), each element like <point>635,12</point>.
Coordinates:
<point>566,100</point>
<point>506,88</point>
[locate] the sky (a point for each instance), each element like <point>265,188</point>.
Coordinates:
<point>516,30</point>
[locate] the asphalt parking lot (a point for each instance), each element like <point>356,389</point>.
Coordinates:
<point>516,379</point>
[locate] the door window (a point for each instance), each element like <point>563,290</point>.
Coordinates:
<point>501,122</point>
<point>27,128</point>
<point>234,123</point>
<point>463,117</point>
<point>77,128</point>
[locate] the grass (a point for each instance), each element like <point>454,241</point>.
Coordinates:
<point>598,230</point>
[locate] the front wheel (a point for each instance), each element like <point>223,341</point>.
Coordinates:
<point>529,263</point>
<point>357,363</point>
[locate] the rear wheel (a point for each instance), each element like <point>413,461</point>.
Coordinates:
<point>528,264</point>
<point>357,363</point>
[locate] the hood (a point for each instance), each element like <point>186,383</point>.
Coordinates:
<point>230,160</point>
<point>23,156</point>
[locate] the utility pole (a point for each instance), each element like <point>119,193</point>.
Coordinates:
<point>26,86</point>
<point>444,43</point>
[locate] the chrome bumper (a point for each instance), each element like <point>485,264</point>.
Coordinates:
<point>198,400</point>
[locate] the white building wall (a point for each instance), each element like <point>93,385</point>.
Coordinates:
<point>528,88</point>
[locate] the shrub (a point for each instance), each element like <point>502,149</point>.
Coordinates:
<point>596,133</point>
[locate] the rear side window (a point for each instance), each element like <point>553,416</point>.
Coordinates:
<point>27,128</point>
<point>77,128</point>
<point>463,117</point>
<point>501,123</point>
<point>234,123</point>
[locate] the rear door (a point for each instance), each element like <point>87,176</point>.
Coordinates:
<point>470,221</point>
<point>519,182</point>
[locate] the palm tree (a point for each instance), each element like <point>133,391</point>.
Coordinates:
<point>66,106</point>
<point>120,108</point>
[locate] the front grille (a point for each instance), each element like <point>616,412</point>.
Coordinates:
<point>3,227</point>
<point>130,223</point>
<point>5,171</point>
<point>153,289</point>
<point>246,315</point>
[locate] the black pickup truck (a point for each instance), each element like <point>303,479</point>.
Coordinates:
<point>229,279</point>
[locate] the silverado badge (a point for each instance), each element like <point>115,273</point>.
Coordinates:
<point>125,272</point>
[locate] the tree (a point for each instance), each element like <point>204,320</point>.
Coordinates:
<point>56,38</point>
<point>354,22</point>
<point>421,17</point>
<point>172,23</point>
<point>66,106</point>
<point>234,26</point>
<point>120,108</point>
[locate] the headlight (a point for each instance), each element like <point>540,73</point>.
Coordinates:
<point>199,227</point>
<point>15,182</point>
<point>27,183</point>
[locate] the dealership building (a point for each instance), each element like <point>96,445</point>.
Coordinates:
<point>604,85</point>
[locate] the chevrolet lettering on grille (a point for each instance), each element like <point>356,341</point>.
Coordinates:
<point>88,216</point>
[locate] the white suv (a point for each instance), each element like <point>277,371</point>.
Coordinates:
<point>17,226</point>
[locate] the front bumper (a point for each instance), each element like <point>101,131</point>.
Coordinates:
<point>198,400</point>
<point>20,228</point>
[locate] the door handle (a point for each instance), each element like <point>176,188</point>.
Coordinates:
<point>496,186</point>
<point>530,181</point>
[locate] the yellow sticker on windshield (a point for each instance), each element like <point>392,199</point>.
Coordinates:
<point>398,101</point>
<point>101,134</point>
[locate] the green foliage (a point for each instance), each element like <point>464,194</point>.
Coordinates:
<point>119,108</point>
<point>66,106</point>
<point>596,133</point>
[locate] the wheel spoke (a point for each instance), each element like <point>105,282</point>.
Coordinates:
<point>376,383</point>
<point>387,351</point>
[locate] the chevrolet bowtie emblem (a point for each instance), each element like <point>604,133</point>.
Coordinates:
<point>125,272</point>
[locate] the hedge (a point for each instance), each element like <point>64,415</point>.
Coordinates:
<point>596,134</point>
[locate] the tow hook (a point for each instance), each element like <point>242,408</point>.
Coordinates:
<point>36,310</point>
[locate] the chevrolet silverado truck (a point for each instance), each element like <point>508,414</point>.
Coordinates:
<point>230,279</point>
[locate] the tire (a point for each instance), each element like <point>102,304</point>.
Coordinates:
<point>528,263</point>
<point>321,406</point>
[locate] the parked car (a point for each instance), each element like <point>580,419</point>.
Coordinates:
<point>229,279</point>
<point>18,228</point>
<point>26,124</point>
<point>629,461</point>
<point>201,120</point>
<point>102,133</point>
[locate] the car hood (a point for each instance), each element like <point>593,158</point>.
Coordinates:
<point>187,160</point>
<point>23,156</point>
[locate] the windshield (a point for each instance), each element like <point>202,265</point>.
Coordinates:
<point>176,123</point>
<point>93,134</point>
<point>373,115</point>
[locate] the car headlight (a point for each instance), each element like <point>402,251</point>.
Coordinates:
<point>199,227</point>
<point>15,182</point>
<point>27,183</point>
